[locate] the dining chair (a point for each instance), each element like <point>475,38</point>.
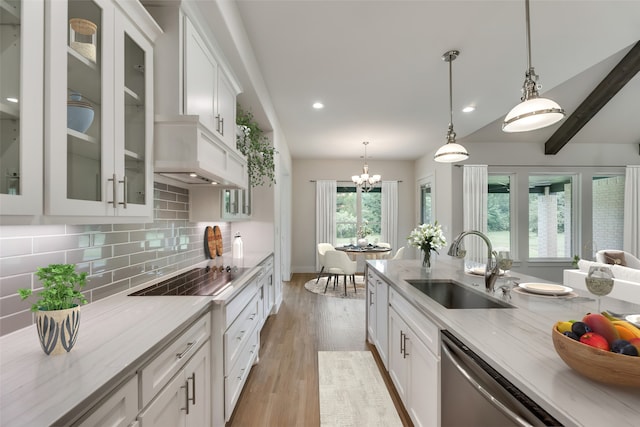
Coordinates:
<point>399,254</point>
<point>383,255</point>
<point>339,264</point>
<point>322,249</point>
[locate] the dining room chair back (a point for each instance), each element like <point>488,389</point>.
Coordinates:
<point>322,249</point>
<point>399,254</point>
<point>383,255</point>
<point>339,264</point>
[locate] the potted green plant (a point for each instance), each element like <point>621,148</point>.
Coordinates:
<point>58,309</point>
<point>256,147</point>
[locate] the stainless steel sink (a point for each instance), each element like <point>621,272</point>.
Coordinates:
<point>450,294</point>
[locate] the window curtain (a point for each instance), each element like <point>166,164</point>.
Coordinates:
<point>325,214</point>
<point>632,210</point>
<point>389,202</point>
<point>474,202</point>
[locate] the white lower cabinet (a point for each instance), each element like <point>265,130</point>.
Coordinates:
<point>181,374</point>
<point>377,314</point>
<point>414,361</point>
<point>119,410</point>
<point>235,341</point>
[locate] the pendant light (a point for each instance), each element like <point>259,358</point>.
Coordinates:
<point>451,151</point>
<point>533,112</point>
<point>366,181</point>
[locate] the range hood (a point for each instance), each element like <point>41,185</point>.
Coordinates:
<point>188,152</point>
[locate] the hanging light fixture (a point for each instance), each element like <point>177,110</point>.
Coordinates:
<point>533,112</point>
<point>364,180</point>
<point>451,151</point>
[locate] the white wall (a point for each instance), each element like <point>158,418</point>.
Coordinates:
<point>304,201</point>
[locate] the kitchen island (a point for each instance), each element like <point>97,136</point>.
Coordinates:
<point>517,342</point>
<point>119,336</point>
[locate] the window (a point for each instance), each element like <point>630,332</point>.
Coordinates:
<point>353,207</point>
<point>426,204</point>
<point>608,212</point>
<point>499,212</point>
<point>550,216</point>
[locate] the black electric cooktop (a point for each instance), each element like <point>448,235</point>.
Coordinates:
<point>199,281</point>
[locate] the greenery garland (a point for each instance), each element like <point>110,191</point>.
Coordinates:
<point>257,148</point>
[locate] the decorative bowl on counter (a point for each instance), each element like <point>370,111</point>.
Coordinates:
<point>596,364</point>
<point>79,113</point>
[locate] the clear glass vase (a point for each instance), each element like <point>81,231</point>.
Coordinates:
<point>426,261</point>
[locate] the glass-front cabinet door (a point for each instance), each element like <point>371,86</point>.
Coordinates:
<point>98,112</point>
<point>79,114</point>
<point>134,118</point>
<point>21,97</point>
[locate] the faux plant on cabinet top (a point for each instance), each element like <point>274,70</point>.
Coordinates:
<point>256,147</point>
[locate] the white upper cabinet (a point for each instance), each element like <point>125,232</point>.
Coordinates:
<point>21,95</point>
<point>99,109</point>
<point>200,76</point>
<point>226,110</point>
<point>195,102</point>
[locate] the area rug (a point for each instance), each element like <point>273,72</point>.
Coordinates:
<point>352,391</point>
<point>318,288</point>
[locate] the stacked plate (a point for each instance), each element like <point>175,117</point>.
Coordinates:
<point>545,289</point>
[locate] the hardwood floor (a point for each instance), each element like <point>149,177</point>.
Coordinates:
<point>282,389</point>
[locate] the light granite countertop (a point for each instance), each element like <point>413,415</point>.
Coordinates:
<point>517,342</point>
<point>117,336</point>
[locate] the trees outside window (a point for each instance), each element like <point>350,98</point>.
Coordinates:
<point>499,212</point>
<point>353,207</point>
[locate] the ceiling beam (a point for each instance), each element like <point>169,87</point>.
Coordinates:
<point>621,74</point>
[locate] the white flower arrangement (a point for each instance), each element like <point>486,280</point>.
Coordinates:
<point>427,237</point>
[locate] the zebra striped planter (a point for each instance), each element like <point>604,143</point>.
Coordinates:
<point>58,329</point>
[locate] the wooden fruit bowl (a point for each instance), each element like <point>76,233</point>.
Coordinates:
<point>596,364</point>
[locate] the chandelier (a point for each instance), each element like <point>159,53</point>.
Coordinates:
<point>533,112</point>
<point>364,180</point>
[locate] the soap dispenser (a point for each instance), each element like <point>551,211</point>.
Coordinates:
<point>237,250</point>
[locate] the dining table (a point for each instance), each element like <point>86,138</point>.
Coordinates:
<point>368,251</point>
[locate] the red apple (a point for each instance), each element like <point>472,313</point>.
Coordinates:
<point>595,340</point>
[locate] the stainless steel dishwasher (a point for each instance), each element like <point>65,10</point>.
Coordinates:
<point>475,394</point>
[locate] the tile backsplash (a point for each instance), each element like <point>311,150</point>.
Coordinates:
<point>116,256</point>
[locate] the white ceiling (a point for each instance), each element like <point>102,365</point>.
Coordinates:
<point>377,67</point>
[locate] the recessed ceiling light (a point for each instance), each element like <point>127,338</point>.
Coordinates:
<point>214,183</point>
<point>468,109</point>
<point>193,175</point>
<point>14,100</point>
<point>318,105</point>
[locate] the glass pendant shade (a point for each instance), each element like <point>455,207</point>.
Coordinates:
<point>450,153</point>
<point>535,113</point>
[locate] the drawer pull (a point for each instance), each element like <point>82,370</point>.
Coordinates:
<point>186,350</point>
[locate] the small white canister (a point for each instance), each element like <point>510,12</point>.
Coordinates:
<point>237,250</point>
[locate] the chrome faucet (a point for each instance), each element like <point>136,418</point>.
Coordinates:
<point>491,271</point>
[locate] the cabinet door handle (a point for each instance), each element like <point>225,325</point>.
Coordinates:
<point>193,388</point>
<point>401,342</point>
<point>218,123</point>
<point>125,188</point>
<point>186,396</point>
<point>186,350</point>
<point>221,125</point>
<point>114,180</point>
<point>405,354</point>
<point>370,298</point>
